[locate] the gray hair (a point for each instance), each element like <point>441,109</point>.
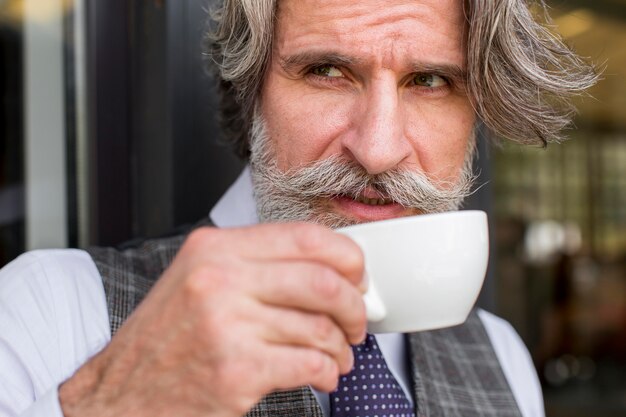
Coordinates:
<point>521,76</point>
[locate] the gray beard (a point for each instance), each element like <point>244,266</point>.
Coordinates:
<point>302,194</point>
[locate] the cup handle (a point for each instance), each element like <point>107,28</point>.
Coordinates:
<point>374,307</point>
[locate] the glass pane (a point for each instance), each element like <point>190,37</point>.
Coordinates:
<point>33,142</point>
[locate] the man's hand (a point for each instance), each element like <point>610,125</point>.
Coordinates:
<point>239,313</point>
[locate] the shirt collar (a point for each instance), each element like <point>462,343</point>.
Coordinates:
<point>236,208</point>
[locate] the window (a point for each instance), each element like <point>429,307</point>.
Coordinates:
<point>561,234</point>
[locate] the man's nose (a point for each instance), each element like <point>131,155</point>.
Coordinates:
<point>378,141</point>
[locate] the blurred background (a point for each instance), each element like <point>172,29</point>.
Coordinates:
<point>108,133</point>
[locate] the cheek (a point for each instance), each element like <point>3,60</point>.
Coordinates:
<point>302,126</point>
<point>440,133</point>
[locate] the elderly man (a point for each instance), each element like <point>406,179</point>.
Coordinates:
<point>350,111</point>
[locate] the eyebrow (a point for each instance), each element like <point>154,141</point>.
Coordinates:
<point>293,63</point>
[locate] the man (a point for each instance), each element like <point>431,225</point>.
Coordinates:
<point>352,111</point>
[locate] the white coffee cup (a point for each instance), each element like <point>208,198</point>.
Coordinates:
<point>423,272</point>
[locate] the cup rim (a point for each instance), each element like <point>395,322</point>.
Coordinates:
<point>415,218</point>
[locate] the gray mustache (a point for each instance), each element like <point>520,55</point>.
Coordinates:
<point>336,176</point>
<point>301,194</point>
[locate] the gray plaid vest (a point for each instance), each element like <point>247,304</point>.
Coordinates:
<point>455,371</point>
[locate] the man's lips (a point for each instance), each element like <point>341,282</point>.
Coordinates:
<point>373,201</point>
<point>372,197</point>
<point>368,207</point>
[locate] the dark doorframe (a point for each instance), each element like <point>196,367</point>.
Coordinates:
<point>108,120</point>
<point>155,160</point>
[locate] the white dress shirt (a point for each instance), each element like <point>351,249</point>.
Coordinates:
<point>53,318</point>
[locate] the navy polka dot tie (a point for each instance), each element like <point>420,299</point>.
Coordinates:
<point>369,390</point>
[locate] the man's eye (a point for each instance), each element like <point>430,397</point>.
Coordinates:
<point>429,80</point>
<point>327,71</point>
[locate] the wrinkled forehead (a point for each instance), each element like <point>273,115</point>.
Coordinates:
<point>333,9</point>
<point>417,29</point>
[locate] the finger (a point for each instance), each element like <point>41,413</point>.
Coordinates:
<point>299,366</point>
<point>295,241</point>
<point>297,328</point>
<point>312,288</point>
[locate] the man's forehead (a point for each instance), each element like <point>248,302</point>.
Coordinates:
<point>336,10</point>
<point>429,31</point>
